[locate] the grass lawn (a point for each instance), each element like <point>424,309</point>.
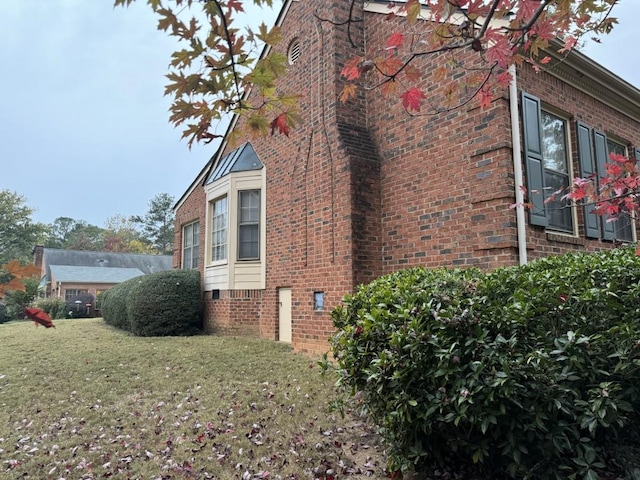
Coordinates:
<point>87,401</point>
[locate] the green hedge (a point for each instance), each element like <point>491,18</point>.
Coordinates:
<point>54,306</point>
<point>524,372</point>
<point>114,304</point>
<point>159,304</point>
<point>166,303</point>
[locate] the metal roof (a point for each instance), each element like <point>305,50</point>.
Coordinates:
<point>75,274</point>
<point>85,258</point>
<point>242,159</point>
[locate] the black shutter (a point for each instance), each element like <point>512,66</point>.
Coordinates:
<point>600,142</point>
<point>531,123</point>
<point>587,168</point>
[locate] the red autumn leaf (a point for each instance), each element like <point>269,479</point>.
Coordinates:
<point>500,52</point>
<point>39,317</point>
<point>235,5</point>
<point>395,41</point>
<point>412,98</point>
<point>504,78</point>
<point>485,97</point>
<point>280,124</point>
<point>389,66</point>
<point>351,69</point>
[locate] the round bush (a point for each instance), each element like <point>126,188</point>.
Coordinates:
<point>166,303</point>
<point>114,305</point>
<point>524,372</point>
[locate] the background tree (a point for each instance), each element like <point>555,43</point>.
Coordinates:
<point>84,236</point>
<point>18,232</point>
<point>17,300</point>
<point>158,223</point>
<point>220,60</point>
<point>120,234</point>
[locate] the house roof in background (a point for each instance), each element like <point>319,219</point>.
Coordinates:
<point>80,274</point>
<point>145,263</point>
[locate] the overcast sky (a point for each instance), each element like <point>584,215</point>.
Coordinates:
<point>84,129</point>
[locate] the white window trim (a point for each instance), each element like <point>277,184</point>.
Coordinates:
<point>184,228</point>
<point>234,273</point>
<point>210,207</point>
<point>569,133</point>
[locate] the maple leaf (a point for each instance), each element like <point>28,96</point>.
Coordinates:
<point>17,273</point>
<point>412,98</point>
<point>389,66</point>
<point>348,92</point>
<point>504,78</point>
<point>395,41</point>
<point>389,88</point>
<point>280,124</point>
<point>486,97</point>
<point>413,9</point>
<point>351,70</point>
<point>500,52</point>
<point>235,5</point>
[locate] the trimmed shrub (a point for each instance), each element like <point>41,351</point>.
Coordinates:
<point>55,307</point>
<point>114,304</point>
<point>524,372</point>
<point>166,303</point>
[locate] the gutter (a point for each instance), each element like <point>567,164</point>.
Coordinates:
<point>517,167</point>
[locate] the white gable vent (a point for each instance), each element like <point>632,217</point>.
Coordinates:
<point>294,51</point>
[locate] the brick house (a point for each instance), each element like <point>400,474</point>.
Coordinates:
<point>67,274</point>
<point>282,227</point>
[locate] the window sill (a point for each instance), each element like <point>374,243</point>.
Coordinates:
<point>565,238</point>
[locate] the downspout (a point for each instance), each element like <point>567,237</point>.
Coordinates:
<point>517,167</point>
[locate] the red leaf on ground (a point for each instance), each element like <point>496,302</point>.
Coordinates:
<point>39,317</point>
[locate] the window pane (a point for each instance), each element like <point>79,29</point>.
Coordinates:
<point>186,258</point>
<point>624,225</point>
<point>219,230</point>
<point>249,224</point>
<point>250,206</point>
<point>615,147</point>
<point>188,235</point>
<point>190,242</point>
<point>196,233</point>
<point>554,149</point>
<point>624,230</point>
<point>249,242</point>
<point>559,211</point>
<point>556,171</point>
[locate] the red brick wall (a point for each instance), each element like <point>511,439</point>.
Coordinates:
<point>446,179</point>
<point>362,189</point>
<point>193,208</point>
<point>575,105</point>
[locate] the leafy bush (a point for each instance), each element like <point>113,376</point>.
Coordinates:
<point>113,305</point>
<point>17,300</point>
<point>166,303</point>
<point>55,307</point>
<point>524,372</point>
<point>3,313</point>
